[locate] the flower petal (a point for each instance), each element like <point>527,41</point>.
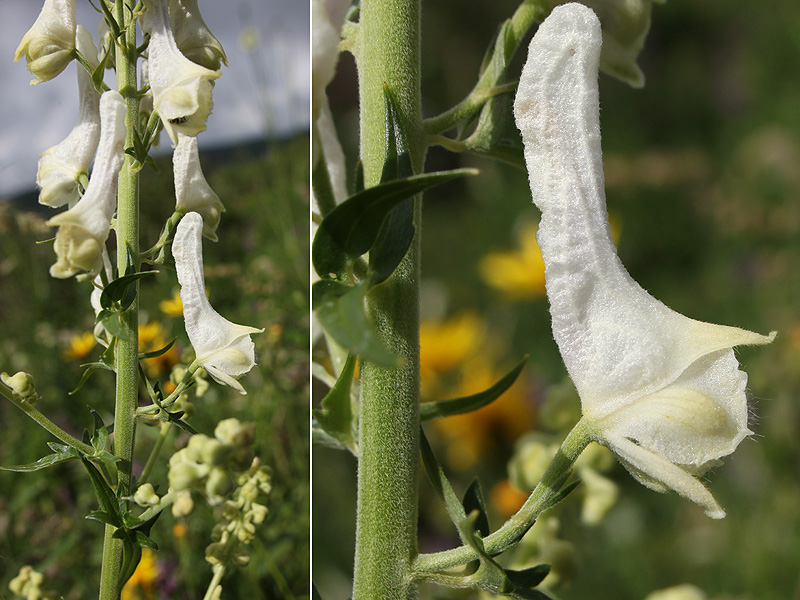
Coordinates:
<point>658,473</point>
<point>618,342</point>
<point>192,192</point>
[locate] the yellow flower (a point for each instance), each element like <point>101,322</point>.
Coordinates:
<point>80,345</point>
<point>517,273</point>
<point>142,582</point>
<point>506,497</point>
<point>444,346</point>
<point>172,307</point>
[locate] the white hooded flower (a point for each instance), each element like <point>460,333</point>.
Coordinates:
<point>61,165</point>
<point>181,88</point>
<point>49,43</point>
<point>192,192</point>
<point>192,35</point>
<point>83,229</point>
<point>222,348</point>
<point>661,390</point>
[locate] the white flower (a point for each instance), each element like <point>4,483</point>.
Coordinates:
<point>83,229</point>
<point>661,390</point>
<point>181,88</point>
<point>192,191</point>
<point>61,165</point>
<point>192,35</point>
<point>222,348</point>
<point>49,43</point>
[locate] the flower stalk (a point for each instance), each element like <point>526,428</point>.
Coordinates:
<point>127,350</point>
<point>386,529</point>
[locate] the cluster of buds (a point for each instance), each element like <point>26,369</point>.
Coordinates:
<point>241,514</point>
<point>28,585</point>
<point>206,464</point>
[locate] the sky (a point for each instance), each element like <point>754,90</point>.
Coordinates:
<point>264,90</point>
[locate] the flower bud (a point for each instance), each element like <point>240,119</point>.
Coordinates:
<point>146,495</point>
<point>22,385</point>
<point>185,475</point>
<point>183,504</point>
<point>232,431</point>
<point>215,452</point>
<point>218,484</point>
<point>194,448</point>
<point>48,45</point>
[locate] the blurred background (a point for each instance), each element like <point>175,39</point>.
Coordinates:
<point>255,155</point>
<point>703,183</point>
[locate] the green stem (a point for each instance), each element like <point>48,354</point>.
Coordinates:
<point>151,460</point>
<point>388,51</point>
<point>512,530</point>
<point>46,423</point>
<point>127,350</point>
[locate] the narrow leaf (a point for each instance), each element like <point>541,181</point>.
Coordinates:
<point>473,500</point>
<point>441,484</point>
<point>90,369</point>
<point>465,404</point>
<point>155,353</point>
<point>120,289</point>
<point>100,433</point>
<point>43,463</point>
<point>529,578</point>
<point>335,416</point>
<point>105,496</point>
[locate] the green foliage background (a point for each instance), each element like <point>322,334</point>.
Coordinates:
<point>257,275</point>
<point>703,177</point>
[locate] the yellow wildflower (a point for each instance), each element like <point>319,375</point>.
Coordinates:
<point>444,346</point>
<point>507,498</point>
<point>80,345</point>
<point>173,307</point>
<point>142,583</point>
<point>180,530</point>
<point>517,273</point>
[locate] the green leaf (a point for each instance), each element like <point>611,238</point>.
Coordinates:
<point>102,516</point>
<point>340,310</point>
<point>335,416</point>
<point>113,324</point>
<point>465,404</point>
<point>100,434</point>
<point>528,578</point>
<point>105,495</point>
<point>154,353</point>
<point>145,541</point>
<point>90,369</point>
<point>562,493</point>
<point>44,462</point>
<point>131,556</point>
<point>441,484</point>
<point>122,290</point>
<point>351,228</point>
<point>473,500</point>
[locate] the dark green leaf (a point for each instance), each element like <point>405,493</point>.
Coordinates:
<point>154,353</point>
<point>528,578</point>
<point>131,555</point>
<point>340,310</point>
<point>473,500</point>
<point>465,404</point>
<point>351,228</point>
<point>440,483</point>
<point>122,290</point>
<point>145,541</point>
<point>105,495</point>
<point>102,516</point>
<point>335,416</point>
<point>562,493</point>
<point>44,462</point>
<point>113,325</point>
<point>100,434</point>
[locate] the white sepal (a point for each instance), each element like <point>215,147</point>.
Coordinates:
<point>192,192</point>
<point>49,43</point>
<point>660,389</point>
<point>222,348</point>
<point>83,229</point>
<point>192,35</point>
<point>61,165</point>
<point>181,88</point>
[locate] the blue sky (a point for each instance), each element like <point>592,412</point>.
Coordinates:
<point>267,88</point>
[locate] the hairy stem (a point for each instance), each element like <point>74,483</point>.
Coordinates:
<point>127,350</point>
<point>388,48</point>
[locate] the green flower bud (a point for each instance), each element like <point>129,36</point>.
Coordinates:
<point>195,447</point>
<point>233,432</point>
<point>215,452</point>
<point>185,475</point>
<point>22,385</point>
<point>146,495</point>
